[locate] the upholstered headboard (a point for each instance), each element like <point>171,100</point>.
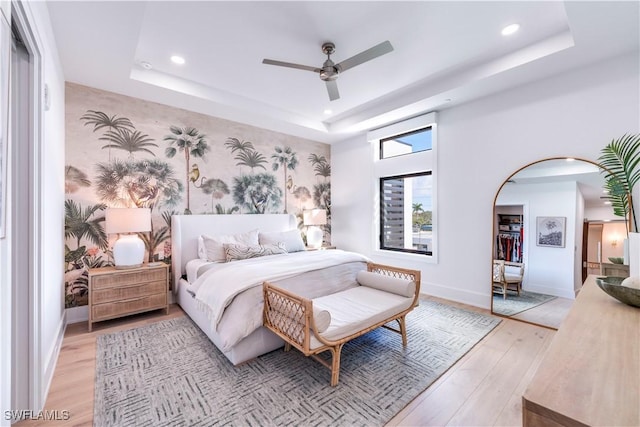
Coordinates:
<point>185,230</point>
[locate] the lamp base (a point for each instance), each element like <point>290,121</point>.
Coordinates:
<point>128,252</point>
<point>314,237</point>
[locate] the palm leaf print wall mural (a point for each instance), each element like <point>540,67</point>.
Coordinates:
<point>286,158</point>
<point>204,165</point>
<point>193,144</point>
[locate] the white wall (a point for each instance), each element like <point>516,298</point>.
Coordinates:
<point>480,144</point>
<point>547,270</point>
<point>51,280</point>
<point>49,203</point>
<point>613,231</point>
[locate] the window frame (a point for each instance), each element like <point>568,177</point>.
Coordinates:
<point>381,222</point>
<point>407,164</point>
<point>413,132</point>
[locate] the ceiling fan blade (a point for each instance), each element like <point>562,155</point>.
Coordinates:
<point>332,89</point>
<point>367,55</point>
<point>291,65</point>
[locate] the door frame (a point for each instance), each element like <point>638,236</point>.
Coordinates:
<point>23,19</point>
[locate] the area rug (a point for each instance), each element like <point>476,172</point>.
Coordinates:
<point>515,304</point>
<point>170,374</point>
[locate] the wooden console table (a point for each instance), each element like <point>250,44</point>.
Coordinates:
<point>591,372</point>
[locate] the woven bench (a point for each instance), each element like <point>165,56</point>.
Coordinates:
<point>326,323</point>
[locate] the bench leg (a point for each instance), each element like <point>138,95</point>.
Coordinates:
<point>335,364</point>
<point>403,330</point>
<point>287,346</point>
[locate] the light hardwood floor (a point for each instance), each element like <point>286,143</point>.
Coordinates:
<point>482,388</point>
<point>551,313</point>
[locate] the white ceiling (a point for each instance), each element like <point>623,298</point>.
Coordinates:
<point>587,175</point>
<point>445,53</point>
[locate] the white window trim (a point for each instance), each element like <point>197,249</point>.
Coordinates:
<point>399,165</point>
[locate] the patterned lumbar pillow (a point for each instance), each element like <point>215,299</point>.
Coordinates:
<point>234,251</point>
<point>212,248</point>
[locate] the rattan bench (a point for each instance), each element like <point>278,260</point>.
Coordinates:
<point>314,329</point>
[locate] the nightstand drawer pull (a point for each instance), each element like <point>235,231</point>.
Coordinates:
<point>101,296</point>
<point>128,278</point>
<point>116,309</point>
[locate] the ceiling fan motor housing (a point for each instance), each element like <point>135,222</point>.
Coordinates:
<point>329,71</point>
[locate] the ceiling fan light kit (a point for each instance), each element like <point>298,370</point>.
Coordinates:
<point>330,71</point>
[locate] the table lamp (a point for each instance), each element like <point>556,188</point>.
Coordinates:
<point>128,250</point>
<point>312,219</point>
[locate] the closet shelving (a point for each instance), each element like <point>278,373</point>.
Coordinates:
<point>510,237</point>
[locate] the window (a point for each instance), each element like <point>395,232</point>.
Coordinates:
<point>405,213</point>
<point>411,142</point>
<point>405,173</point>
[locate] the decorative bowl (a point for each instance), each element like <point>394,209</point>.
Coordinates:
<point>616,260</point>
<point>612,286</point>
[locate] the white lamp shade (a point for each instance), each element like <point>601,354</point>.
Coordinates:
<point>128,220</point>
<point>128,251</point>
<point>314,217</point>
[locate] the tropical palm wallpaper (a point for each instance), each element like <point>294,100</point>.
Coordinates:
<point>127,152</point>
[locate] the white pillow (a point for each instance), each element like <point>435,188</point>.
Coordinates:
<point>236,251</point>
<point>322,319</point>
<point>405,288</point>
<point>292,239</point>
<point>212,249</point>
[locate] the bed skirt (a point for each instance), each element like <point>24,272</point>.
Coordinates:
<point>259,342</point>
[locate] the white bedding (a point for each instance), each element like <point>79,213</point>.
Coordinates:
<point>241,282</point>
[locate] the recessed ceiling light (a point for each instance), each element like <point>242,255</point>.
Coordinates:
<point>607,202</point>
<point>177,59</point>
<point>510,29</point>
<point>570,159</point>
<point>328,111</point>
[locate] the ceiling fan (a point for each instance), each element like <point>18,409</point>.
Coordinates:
<point>330,71</point>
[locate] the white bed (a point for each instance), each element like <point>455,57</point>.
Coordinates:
<point>185,231</point>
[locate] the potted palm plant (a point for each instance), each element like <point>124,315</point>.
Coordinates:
<point>620,161</point>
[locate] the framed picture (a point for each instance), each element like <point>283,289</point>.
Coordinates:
<point>550,231</point>
<point>5,59</point>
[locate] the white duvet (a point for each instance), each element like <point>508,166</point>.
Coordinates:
<point>240,282</point>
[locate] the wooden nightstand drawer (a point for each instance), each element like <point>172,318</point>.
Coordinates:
<point>115,293</point>
<point>101,296</point>
<point>128,278</point>
<point>119,308</point>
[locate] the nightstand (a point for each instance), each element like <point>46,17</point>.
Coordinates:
<point>115,293</point>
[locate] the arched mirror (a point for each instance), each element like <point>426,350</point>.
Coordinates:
<point>552,227</point>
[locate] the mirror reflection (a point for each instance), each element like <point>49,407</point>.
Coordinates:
<point>551,229</point>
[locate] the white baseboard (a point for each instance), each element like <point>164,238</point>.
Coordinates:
<point>52,358</point>
<point>541,289</point>
<point>458,295</point>
<point>77,314</point>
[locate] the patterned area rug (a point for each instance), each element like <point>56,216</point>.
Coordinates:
<point>170,374</point>
<point>515,304</point>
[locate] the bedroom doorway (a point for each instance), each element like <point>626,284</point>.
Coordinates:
<point>24,196</point>
<point>19,203</point>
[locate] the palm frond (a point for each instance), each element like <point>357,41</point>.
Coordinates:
<point>619,160</point>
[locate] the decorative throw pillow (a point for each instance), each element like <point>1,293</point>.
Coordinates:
<point>405,288</point>
<point>212,249</point>
<point>291,239</point>
<point>235,252</point>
